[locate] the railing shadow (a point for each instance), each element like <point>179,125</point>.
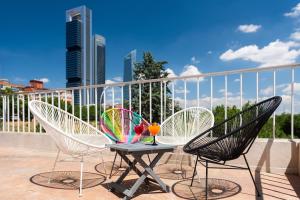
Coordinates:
<point>265,158</point>
<point>293,179</point>
<point>274,182</point>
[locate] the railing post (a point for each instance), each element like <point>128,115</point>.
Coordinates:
<point>3,113</point>
<point>88,106</point>
<point>23,113</point>
<point>241,91</point>
<point>28,114</point>
<point>8,114</point>
<point>130,107</point>
<point>113,96</point>
<point>292,102</point>
<point>225,107</point>
<point>18,113</point>
<point>257,86</point>
<point>150,101</point>
<point>165,99</point>
<point>161,103</point>
<point>140,99</point>
<point>13,112</point>
<point>274,93</point>
<point>96,106</point>
<point>40,127</point>
<point>198,92</point>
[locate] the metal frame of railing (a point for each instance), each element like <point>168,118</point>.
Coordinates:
<point>14,120</point>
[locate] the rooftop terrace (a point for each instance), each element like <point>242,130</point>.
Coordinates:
<point>26,164</point>
<point>27,153</point>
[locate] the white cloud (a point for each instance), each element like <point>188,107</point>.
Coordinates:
<point>287,89</point>
<point>109,81</point>
<point>249,28</point>
<point>267,91</point>
<point>188,70</point>
<point>180,90</point>
<point>295,12</point>
<point>118,79</point>
<point>275,53</point>
<point>171,73</point>
<point>191,70</point>
<point>44,80</point>
<point>194,60</point>
<point>295,35</point>
<point>209,52</point>
<point>222,91</point>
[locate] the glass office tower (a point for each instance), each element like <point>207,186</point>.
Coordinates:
<point>129,61</point>
<point>78,50</point>
<point>98,65</point>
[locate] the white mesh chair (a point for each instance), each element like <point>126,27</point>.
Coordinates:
<point>184,125</point>
<point>71,135</point>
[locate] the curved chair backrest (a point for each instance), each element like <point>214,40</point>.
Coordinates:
<point>71,135</point>
<point>118,124</point>
<point>234,136</point>
<point>184,125</point>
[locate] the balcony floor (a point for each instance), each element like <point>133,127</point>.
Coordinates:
<point>18,165</point>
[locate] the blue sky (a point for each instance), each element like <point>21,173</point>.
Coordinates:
<point>193,36</point>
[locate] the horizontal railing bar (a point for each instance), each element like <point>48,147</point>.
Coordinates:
<point>222,73</point>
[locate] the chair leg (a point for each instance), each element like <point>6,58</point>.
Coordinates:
<point>121,162</point>
<point>149,159</point>
<point>54,165</point>
<point>206,176</point>
<point>256,188</point>
<point>81,174</point>
<point>113,165</point>
<point>103,164</point>
<point>194,171</point>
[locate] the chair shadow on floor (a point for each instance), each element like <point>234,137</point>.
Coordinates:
<point>217,189</point>
<point>175,167</point>
<point>67,180</point>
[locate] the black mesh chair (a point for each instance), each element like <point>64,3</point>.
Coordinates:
<point>232,138</point>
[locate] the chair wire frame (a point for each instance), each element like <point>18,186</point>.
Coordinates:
<point>232,138</point>
<point>184,125</point>
<point>71,135</point>
<point>118,125</point>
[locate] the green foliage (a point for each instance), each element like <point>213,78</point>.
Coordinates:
<point>282,125</point>
<point>147,69</point>
<point>6,91</point>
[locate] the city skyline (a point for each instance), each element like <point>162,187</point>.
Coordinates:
<point>79,65</point>
<point>194,41</point>
<point>85,53</point>
<point>129,61</point>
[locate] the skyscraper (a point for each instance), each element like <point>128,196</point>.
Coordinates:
<point>98,63</point>
<point>129,61</point>
<point>78,50</point>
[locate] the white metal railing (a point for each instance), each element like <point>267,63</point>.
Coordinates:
<point>88,104</point>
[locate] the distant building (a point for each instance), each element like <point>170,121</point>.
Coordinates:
<point>129,61</point>
<point>34,85</point>
<point>4,83</point>
<point>78,50</point>
<point>98,64</point>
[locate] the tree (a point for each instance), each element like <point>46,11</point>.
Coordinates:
<point>7,91</point>
<point>147,69</point>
